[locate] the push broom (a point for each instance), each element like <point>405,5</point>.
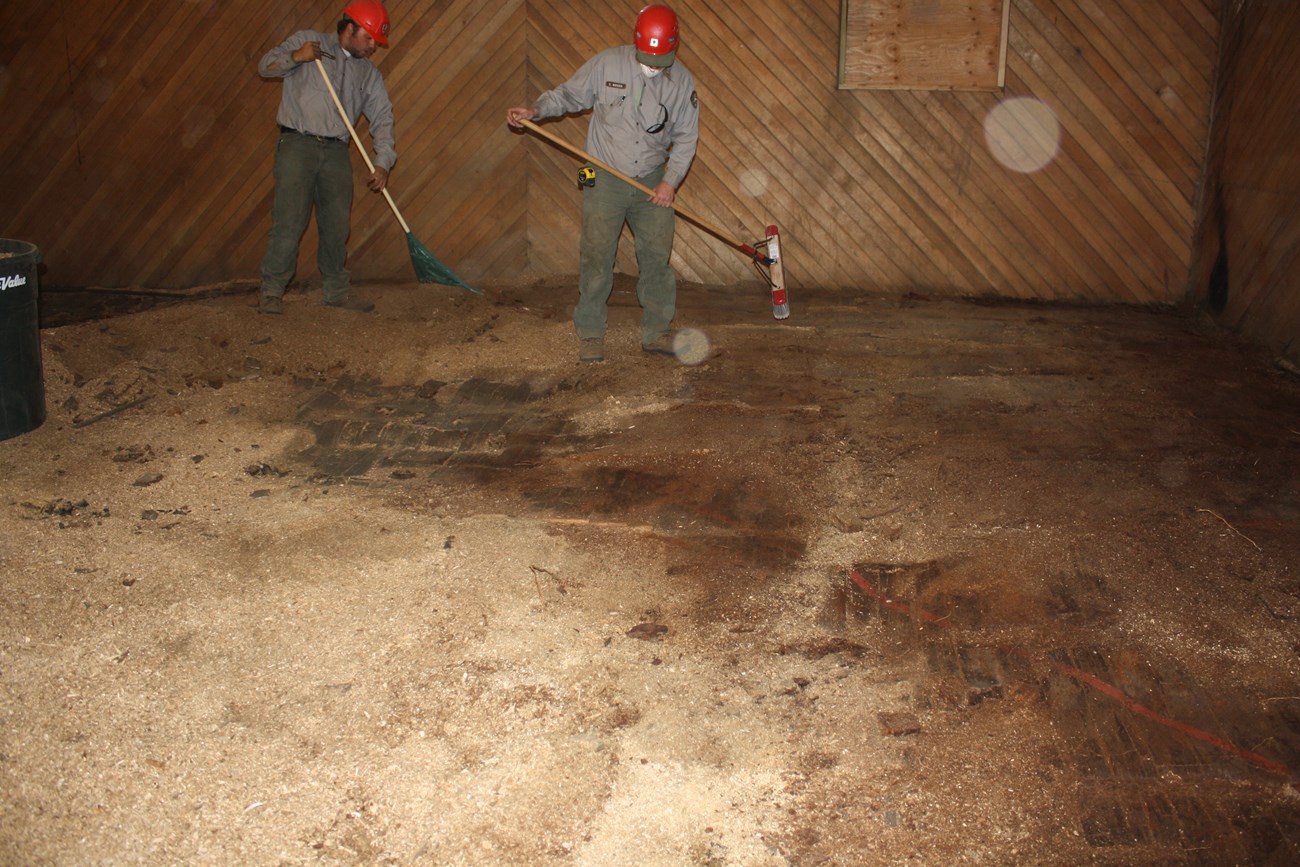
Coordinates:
<point>427,267</point>
<point>775,275</point>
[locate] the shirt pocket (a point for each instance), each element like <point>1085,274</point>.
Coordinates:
<point>655,119</point>
<point>613,97</point>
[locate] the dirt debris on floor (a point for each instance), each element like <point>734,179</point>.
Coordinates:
<point>897,579</point>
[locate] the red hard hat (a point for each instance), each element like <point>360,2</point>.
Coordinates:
<point>372,16</point>
<point>656,33</point>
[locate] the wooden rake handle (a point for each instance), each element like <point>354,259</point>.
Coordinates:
<point>365,156</point>
<point>690,215</point>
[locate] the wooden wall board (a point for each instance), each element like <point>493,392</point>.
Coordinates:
<point>996,215</point>
<point>1124,208</point>
<point>824,183</point>
<point>1088,117</point>
<point>1140,90</point>
<point>177,213</point>
<point>1250,215</point>
<point>147,143</point>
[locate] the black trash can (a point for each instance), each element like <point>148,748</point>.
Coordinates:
<point>22,382</point>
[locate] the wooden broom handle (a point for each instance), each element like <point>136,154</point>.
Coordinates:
<point>365,156</point>
<point>622,177</point>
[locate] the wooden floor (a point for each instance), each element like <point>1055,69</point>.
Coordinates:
<point>902,579</point>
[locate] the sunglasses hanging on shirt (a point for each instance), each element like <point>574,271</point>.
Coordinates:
<point>659,125</point>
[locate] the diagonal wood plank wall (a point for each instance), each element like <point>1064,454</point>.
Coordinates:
<point>140,145</point>
<point>1248,249</point>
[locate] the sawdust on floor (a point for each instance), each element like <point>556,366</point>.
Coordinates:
<point>416,587</point>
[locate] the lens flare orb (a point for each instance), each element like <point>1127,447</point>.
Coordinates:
<point>691,346</point>
<point>1023,134</point>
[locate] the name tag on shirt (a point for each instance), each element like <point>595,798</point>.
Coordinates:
<point>617,85</point>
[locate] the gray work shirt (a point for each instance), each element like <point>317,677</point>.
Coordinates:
<point>626,106</point>
<point>306,104</point>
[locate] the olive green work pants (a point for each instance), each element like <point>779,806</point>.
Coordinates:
<point>605,208</point>
<point>309,171</point>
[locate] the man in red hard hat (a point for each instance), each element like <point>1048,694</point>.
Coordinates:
<point>312,165</point>
<point>645,118</point>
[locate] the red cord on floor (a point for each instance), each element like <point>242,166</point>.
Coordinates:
<point>1096,683</point>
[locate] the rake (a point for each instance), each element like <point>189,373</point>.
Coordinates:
<point>775,275</point>
<point>427,267</point>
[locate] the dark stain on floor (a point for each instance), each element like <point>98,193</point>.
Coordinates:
<point>500,437</point>
<point>988,435</point>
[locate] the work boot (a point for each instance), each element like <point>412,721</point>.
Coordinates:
<point>661,345</point>
<point>270,304</point>
<point>347,302</point>
<point>591,349</point>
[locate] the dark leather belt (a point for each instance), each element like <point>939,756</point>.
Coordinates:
<point>320,138</point>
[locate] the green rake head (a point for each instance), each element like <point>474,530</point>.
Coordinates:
<point>429,270</point>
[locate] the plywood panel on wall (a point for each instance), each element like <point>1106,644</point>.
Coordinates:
<point>142,146</point>
<point>925,44</point>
